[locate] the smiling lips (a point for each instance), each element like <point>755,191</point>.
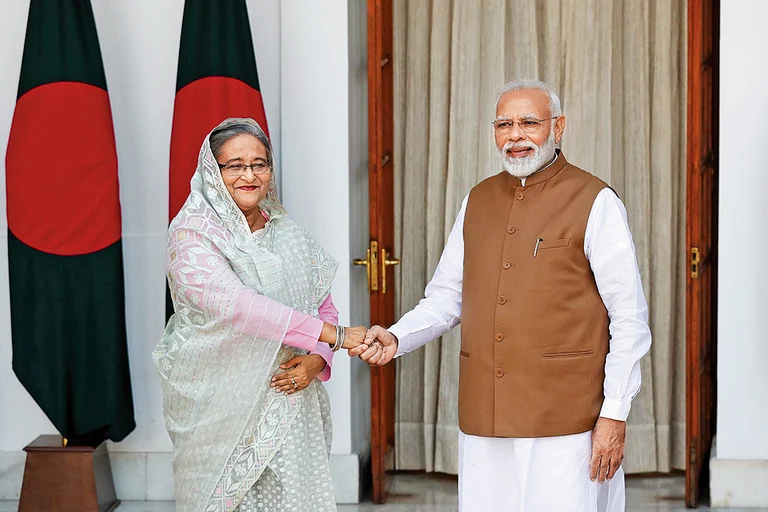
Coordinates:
<point>248,188</point>
<point>518,152</point>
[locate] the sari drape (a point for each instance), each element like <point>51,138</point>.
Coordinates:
<point>234,293</point>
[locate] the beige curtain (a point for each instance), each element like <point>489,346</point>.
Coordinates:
<point>619,69</point>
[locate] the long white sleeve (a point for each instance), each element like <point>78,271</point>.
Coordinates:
<point>611,253</point>
<point>440,310</point>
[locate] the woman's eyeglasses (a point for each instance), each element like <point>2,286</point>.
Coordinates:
<point>237,169</point>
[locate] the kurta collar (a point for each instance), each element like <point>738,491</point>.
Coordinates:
<point>546,173</point>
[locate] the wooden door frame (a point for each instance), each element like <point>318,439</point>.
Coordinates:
<point>701,242</point>
<point>381,222</point>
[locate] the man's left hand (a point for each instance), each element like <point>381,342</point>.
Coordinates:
<point>607,448</point>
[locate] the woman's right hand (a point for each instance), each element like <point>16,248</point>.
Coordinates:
<point>354,337</point>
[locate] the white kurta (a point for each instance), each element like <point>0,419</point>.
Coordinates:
<point>528,470</point>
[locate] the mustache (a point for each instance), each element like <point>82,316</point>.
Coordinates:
<point>519,145</point>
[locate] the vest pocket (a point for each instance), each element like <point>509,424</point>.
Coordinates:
<point>568,355</point>
<point>561,389</point>
<point>554,243</point>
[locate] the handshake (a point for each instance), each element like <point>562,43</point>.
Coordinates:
<point>376,346</point>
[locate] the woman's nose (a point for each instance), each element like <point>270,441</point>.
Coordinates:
<point>248,174</point>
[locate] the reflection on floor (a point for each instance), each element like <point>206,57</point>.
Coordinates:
<point>437,493</point>
<point>413,492</point>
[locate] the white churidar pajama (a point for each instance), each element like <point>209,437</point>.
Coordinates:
<point>546,474</point>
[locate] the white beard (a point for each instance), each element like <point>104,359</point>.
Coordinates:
<point>522,167</point>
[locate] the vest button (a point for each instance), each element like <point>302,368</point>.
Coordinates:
<point>511,230</point>
<point>499,372</point>
<point>499,336</point>
<point>502,300</point>
<point>507,265</point>
<point>520,196</point>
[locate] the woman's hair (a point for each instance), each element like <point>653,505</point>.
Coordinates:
<point>221,135</point>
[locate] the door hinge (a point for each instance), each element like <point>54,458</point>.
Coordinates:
<point>695,262</point>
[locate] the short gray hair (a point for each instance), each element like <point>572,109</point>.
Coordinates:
<point>226,132</point>
<point>527,85</point>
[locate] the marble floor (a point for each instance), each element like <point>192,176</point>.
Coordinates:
<point>413,492</point>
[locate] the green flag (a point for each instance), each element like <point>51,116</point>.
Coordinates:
<point>64,230</point>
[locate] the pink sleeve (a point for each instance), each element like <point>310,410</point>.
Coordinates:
<point>327,313</point>
<point>303,332</point>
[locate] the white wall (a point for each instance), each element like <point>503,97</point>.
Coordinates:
<point>302,55</point>
<point>359,235</point>
<point>740,466</point>
<point>315,112</point>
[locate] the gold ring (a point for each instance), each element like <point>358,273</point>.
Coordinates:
<point>293,381</point>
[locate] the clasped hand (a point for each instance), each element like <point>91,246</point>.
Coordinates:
<point>375,346</point>
<point>378,348</point>
<point>299,371</point>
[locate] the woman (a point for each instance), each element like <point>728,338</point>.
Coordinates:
<point>254,323</point>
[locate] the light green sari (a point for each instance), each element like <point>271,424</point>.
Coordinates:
<point>237,444</point>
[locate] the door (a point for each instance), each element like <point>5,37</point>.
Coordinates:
<point>382,231</point>
<point>701,240</point>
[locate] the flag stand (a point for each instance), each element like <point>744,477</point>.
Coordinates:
<point>67,478</point>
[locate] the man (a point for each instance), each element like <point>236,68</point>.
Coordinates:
<point>540,268</point>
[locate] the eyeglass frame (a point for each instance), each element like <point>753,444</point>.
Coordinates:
<point>252,167</point>
<point>522,128</point>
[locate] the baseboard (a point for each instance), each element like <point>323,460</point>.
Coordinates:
<point>347,475</point>
<point>149,475</point>
<point>738,483</point>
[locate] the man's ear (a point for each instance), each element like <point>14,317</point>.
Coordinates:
<point>559,129</point>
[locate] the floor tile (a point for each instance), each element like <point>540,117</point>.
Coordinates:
<point>416,492</point>
<point>146,506</point>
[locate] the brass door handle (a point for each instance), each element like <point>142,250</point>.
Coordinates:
<point>366,264</point>
<point>386,262</point>
<point>371,264</point>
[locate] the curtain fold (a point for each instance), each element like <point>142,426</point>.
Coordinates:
<point>619,69</point>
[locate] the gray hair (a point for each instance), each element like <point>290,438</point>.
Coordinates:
<point>527,85</point>
<point>224,133</point>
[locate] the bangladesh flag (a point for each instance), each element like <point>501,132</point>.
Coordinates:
<point>216,79</point>
<point>64,250</point>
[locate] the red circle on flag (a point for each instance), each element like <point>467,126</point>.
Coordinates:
<point>61,170</point>
<point>199,108</point>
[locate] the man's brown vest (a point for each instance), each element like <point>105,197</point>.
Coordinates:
<point>534,328</point>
